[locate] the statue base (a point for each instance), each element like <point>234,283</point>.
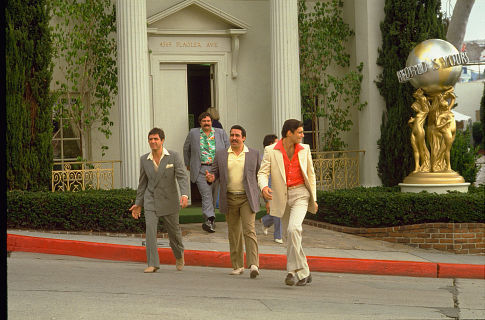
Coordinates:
<point>434,188</point>
<point>434,178</point>
<point>437,182</point>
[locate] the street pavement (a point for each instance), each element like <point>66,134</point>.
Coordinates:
<point>43,286</point>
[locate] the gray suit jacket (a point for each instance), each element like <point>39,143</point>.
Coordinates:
<point>157,190</point>
<point>252,162</point>
<point>192,149</point>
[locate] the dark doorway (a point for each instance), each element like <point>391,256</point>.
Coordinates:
<point>199,99</point>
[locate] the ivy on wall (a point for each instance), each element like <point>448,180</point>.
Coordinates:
<point>330,89</point>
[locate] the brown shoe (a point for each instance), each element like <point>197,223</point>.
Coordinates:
<point>151,269</point>
<point>290,279</point>
<point>179,263</point>
<point>305,281</point>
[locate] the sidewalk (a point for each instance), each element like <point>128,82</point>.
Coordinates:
<point>326,250</point>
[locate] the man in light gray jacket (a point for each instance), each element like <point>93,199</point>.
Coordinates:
<point>200,149</point>
<point>160,170</point>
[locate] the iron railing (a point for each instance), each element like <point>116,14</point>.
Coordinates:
<point>83,175</point>
<point>337,169</point>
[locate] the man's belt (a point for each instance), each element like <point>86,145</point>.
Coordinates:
<point>237,193</point>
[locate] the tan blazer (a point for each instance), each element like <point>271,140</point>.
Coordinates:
<point>252,162</point>
<point>273,164</point>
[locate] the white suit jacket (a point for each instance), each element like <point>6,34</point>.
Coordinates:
<point>273,164</point>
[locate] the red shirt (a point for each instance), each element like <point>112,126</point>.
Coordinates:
<point>293,173</point>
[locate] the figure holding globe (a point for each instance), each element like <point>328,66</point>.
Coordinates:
<point>433,67</point>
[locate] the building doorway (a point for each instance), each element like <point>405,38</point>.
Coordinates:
<point>200,93</point>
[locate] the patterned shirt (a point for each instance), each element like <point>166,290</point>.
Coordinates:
<point>207,146</point>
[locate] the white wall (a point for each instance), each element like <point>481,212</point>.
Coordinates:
<point>468,96</point>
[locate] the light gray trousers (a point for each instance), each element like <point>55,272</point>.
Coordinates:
<point>171,223</point>
<point>208,192</point>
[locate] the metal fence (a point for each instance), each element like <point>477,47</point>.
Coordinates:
<point>337,169</point>
<point>83,175</point>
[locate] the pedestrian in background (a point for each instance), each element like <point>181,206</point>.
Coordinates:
<point>268,220</point>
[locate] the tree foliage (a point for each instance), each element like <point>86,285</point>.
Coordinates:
<point>406,24</point>
<point>28,102</point>
<point>328,90</point>
<point>86,57</point>
<point>463,155</point>
<point>482,115</point>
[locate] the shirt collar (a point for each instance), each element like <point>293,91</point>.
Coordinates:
<point>164,153</point>
<point>245,149</point>
<point>202,131</point>
<point>279,146</point>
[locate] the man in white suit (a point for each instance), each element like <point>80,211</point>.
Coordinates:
<point>292,193</point>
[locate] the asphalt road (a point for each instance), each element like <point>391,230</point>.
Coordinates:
<point>63,287</point>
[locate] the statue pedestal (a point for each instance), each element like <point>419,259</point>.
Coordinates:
<point>436,188</point>
<point>437,182</point>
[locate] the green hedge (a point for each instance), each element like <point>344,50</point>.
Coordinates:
<point>105,211</point>
<point>385,207</point>
<point>102,211</point>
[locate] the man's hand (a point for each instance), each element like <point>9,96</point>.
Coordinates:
<point>209,177</point>
<point>135,211</point>
<point>184,201</point>
<point>267,193</point>
<point>316,206</point>
<point>267,207</point>
<point>188,168</point>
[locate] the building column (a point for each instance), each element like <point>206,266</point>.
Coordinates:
<point>133,87</point>
<point>285,65</point>
<point>368,40</point>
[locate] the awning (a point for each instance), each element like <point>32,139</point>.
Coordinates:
<point>461,116</point>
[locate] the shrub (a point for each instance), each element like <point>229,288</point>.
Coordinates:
<point>105,210</point>
<point>477,134</point>
<point>386,207</point>
<point>463,156</point>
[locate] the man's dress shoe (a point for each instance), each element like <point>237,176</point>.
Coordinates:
<point>151,269</point>
<point>290,279</point>
<point>304,281</point>
<point>208,226</point>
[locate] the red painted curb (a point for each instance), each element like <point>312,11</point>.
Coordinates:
<point>453,270</point>
<point>108,251</point>
<point>377,267</point>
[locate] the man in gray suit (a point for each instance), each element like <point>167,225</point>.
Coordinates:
<point>236,168</point>
<point>160,170</point>
<point>200,147</point>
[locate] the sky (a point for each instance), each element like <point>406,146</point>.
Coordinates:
<point>475,29</point>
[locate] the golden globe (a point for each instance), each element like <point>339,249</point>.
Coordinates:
<point>432,65</point>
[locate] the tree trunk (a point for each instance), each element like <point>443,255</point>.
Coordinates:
<point>459,20</point>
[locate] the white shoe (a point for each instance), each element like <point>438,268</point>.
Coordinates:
<point>265,230</point>
<point>278,241</point>
<point>254,271</point>
<point>237,271</point>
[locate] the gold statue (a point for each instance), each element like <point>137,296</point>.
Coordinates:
<point>446,125</point>
<point>433,165</point>
<point>420,151</point>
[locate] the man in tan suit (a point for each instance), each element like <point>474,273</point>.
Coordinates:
<point>160,170</point>
<point>292,193</point>
<point>236,168</point>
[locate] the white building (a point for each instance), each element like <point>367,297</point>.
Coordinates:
<point>176,58</point>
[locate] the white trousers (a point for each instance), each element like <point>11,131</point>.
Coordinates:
<point>295,211</point>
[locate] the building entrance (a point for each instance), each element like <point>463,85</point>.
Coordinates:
<point>200,86</point>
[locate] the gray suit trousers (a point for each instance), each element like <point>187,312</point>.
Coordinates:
<point>171,222</point>
<point>207,192</point>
